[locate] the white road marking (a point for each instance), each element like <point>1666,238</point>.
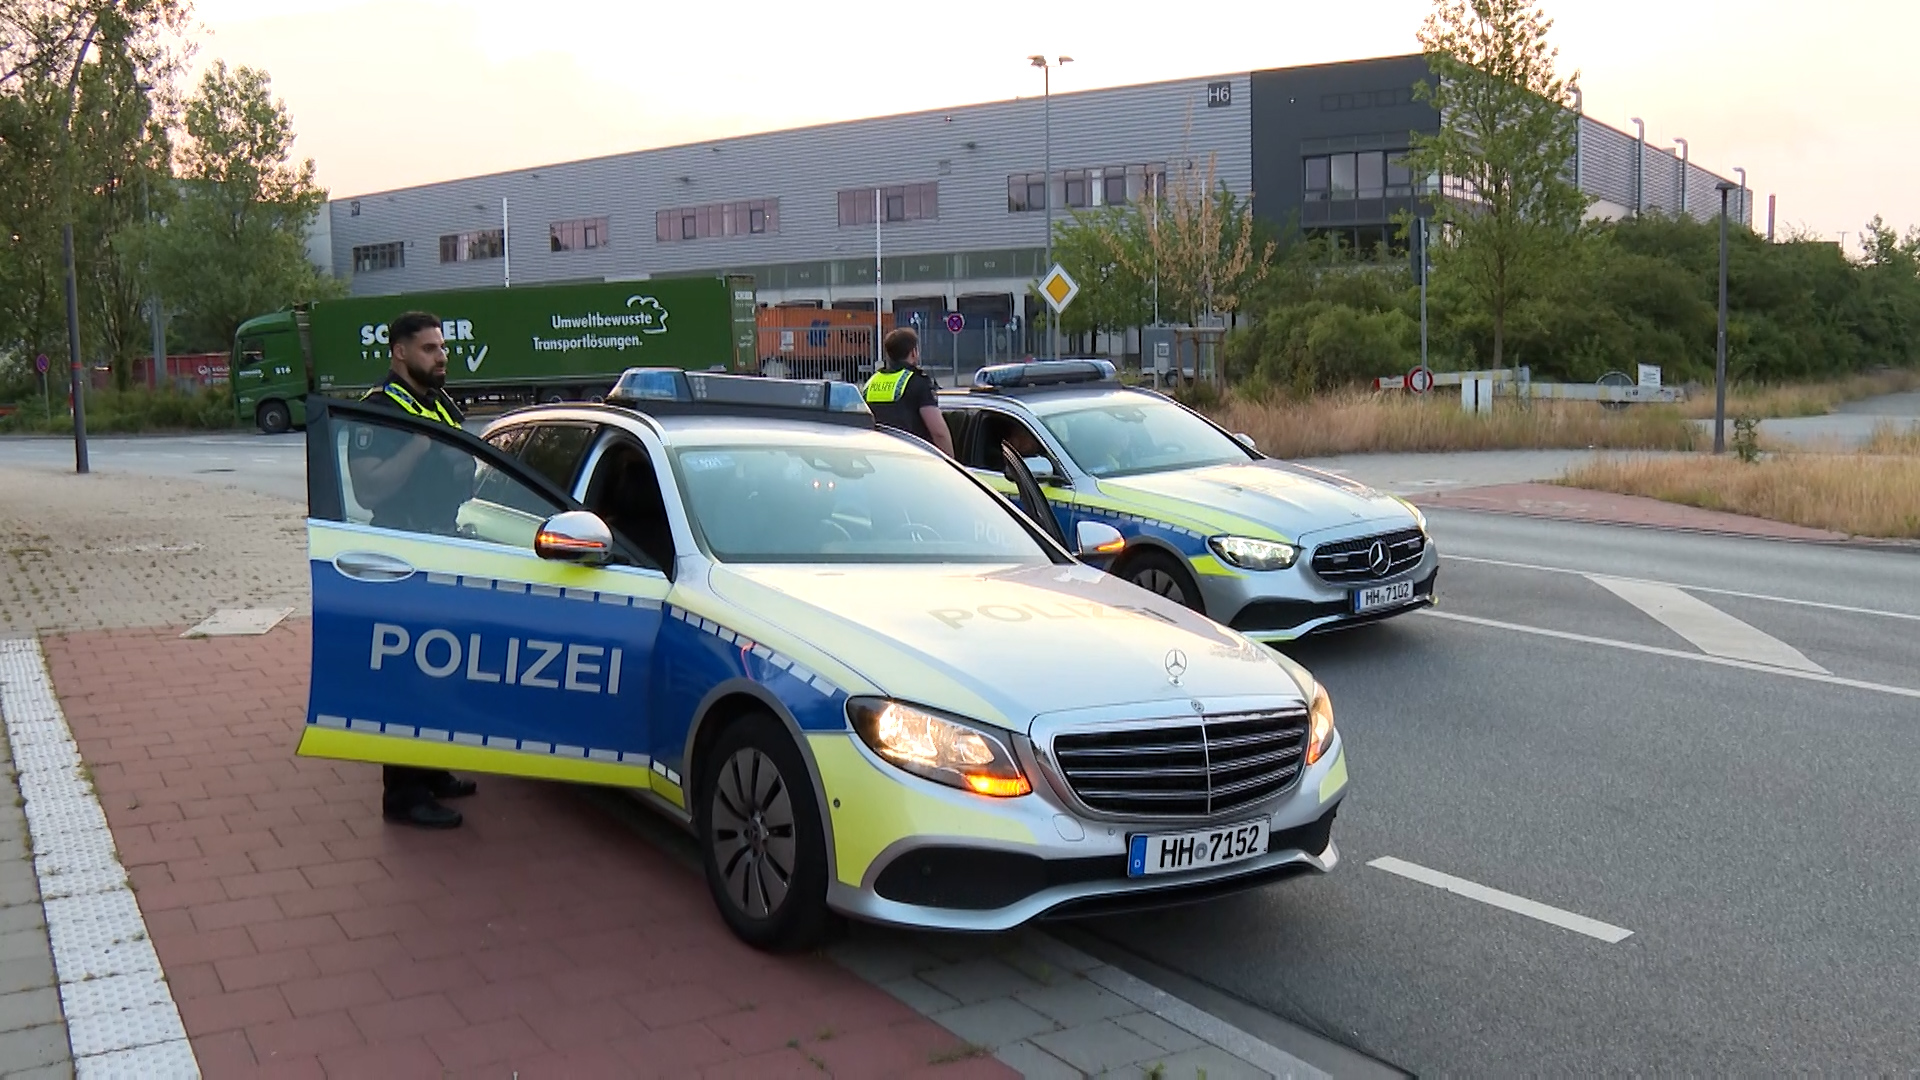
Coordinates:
<point>1519,905</point>
<point>1676,654</point>
<point>1693,588</point>
<point>1714,631</point>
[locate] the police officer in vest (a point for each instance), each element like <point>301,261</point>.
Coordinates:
<point>902,396</point>
<point>414,484</point>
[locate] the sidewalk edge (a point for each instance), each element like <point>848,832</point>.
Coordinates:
<point>120,1014</point>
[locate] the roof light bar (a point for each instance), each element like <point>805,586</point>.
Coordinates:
<point>1043,373</point>
<point>703,391</point>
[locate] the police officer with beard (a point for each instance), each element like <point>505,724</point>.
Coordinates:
<point>413,484</point>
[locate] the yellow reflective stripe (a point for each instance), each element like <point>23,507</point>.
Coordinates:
<point>886,386</point>
<point>1179,514</point>
<point>871,809</point>
<point>382,749</point>
<point>411,405</point>
<point>668,790</point>
<point>450,560</point>
<point>1336,777</point>
<point>1209,566</point>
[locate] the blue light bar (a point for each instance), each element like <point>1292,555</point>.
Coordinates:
<point>722,393</point>
<point>1043,373</point>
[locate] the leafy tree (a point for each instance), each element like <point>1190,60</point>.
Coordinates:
<point>233,245</point>
<point>1508,208</point>
<point>1100,249</point>
<point>1200,243</point>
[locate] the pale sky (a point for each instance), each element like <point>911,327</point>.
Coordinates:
<point>1813,97</point>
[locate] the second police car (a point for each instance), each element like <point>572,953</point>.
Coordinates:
<point>1272,549</point>
<point>868,683</point>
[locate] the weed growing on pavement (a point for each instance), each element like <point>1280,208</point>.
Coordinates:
<point>823,1035</point>
<point>957,1053</point>
<point>1158,1071</point>
<point>1857,494</point>
<point>1746,438</point>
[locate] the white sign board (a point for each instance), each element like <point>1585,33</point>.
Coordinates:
<point>1650,375</point>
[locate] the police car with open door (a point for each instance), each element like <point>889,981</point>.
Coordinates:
<point>1273,549</point>
<point>867,682</point>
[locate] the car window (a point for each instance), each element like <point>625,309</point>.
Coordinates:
<point>960,422</point>
<point>1121,438</point>
<point>805,504</point>
<point>554,451</point>
<point>996,428</point>
<point>446,490</point>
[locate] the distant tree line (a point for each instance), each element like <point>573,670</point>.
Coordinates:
<point>193,198</point>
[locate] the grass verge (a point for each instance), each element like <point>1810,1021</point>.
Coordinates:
<point>1360,422</point>
<point>1863,494</point>
<point>1800,399</point>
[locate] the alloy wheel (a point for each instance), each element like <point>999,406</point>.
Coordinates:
<point>753,833</point>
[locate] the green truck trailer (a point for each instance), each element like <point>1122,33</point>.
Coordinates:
<point>505,346</point>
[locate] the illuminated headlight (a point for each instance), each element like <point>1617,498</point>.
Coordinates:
<point>1320,719</point>
<point>1250,554</point>
<point>953,753</point>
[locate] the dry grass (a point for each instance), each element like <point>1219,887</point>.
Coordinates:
<point>1891,438</point>
<point>1801,399</point>
<point>1360,422</point>
<point>1864,494</point>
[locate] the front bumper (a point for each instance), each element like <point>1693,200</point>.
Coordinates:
<point>948,860</point>
<point>1283,605</point>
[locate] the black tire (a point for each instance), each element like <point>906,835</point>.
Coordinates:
<point>273,417</point>
<point>1163,576</point>
<point>770,906</point>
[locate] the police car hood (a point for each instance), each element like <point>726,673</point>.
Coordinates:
<point>1291,499</point>
<point>1016,641</point>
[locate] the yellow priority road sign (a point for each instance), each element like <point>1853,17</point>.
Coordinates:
<point>1058,288</point>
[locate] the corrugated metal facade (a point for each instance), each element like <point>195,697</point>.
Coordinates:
<point>969,152</point>
<point>1607,160</point>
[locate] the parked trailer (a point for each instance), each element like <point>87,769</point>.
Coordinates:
<point>504,346</point>
<point>818,343</point>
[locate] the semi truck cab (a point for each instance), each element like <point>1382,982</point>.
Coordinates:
<point>271,377</point>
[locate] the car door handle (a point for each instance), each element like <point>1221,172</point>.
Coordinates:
<point>372,566</point>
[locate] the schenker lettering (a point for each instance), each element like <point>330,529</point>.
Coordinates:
<point>542,665</point>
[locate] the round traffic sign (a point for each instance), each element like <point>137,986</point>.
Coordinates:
<point>40,362</point>
<point>1420,379</point>
<point>956,322</point>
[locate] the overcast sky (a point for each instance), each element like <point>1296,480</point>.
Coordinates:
<point>1814,97</point>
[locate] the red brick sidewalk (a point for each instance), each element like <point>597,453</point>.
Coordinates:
<point>302,935</point>
<point>1601,507</point>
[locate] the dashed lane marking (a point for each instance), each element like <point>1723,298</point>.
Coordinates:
<point>1506,901</point>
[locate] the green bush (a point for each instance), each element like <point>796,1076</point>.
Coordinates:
<point>127,412</point>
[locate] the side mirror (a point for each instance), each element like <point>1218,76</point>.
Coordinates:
<point>1097,543</point>
<point>1042,469</point>
<point>1246,440</point>
<point>576,536</point>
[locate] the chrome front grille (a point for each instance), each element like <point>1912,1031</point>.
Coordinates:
<point>1210,766</point>
<point>1356,560</point>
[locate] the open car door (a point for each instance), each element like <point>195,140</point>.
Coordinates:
<point>515,638</point>
<point>1033,499</point>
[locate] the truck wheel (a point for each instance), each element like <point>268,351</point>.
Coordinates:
<point>273,417</point>
<point>761,838</point>
<point>553,397</point>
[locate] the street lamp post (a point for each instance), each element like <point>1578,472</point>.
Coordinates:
<point>1743,194</point>
<point>1683,175</point>
<point>1720,358</point>
<point>1579,111</point>
<point>1046,108</point>
<point>1640,168</point>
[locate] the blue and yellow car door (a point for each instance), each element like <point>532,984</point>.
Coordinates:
<point>462,648</point>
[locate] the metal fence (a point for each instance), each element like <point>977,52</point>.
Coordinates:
<point>847,353</point>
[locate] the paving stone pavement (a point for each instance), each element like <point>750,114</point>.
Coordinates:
<point>33,1033</point>
<point>105,553</point>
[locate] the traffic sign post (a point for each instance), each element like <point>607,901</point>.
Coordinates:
<point>1058,289</point>
<point>956,322</point>
<point>1420,379</point>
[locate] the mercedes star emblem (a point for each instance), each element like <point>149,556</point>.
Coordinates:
<point>1176,665</point>
<point>1377,560</point>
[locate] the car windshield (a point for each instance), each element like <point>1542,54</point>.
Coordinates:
<point>766,504</point>
<point>1122,438</point>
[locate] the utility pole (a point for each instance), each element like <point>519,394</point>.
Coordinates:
<point>1046,108</point>
<point>1425,266</point>
<point>1720,358</point>
<point>75,372</point>
<point>155,316</point>
<point>506,247</point>
<point>879,320</point>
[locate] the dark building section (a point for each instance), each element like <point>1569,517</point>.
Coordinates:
<point>1327,146</point>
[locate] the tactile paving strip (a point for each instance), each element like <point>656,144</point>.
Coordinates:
<point>121,1019</point>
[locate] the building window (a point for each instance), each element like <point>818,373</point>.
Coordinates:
<point>1343,176</point>
<point>1114,185</point>
<point>379,257</point>
<point>1399,177</point>
<point>1367,99</point>
<point>581,234</point>
<point>473,246</point>
<point>905,202</point>
<point>1316,183</point>
<point>1368,174</point>
<point>748,217</point>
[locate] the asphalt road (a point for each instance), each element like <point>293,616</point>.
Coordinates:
<point>1750,827</point>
